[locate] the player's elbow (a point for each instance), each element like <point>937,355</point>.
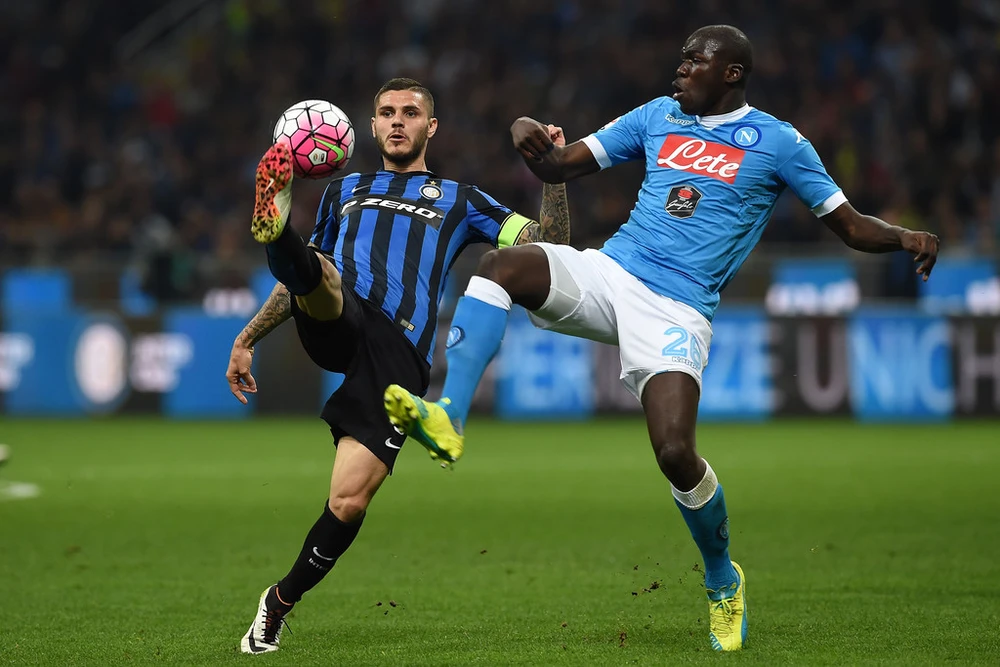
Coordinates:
<point>847,234</point>
<point>550,169</point>
<point>847,230</point>
<point>553,177</point>
<point>561,172</point>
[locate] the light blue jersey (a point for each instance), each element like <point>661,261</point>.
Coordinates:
<point>711,185</point>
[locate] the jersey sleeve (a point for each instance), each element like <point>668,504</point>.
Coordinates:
<point>491,221</point>
<point>621,140</point>
<point>324,234</point>
<point>805,174</point>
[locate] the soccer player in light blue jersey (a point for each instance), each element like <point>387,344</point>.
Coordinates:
<point>715,167</point>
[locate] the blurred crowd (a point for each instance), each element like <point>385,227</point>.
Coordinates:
<point>131,130</point>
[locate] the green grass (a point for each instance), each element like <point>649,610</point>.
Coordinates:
<point>151,541</point>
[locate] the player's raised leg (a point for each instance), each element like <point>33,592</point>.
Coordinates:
<point>512,275</point>
<point>357,475</point>
<point>310,277</point>
<point>670,401</point>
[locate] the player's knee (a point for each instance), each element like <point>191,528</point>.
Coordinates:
<point>674,449</point>
<point>349,508</point>
<point>523,272</point>
<point>331,277</point>
<point>493,266</point>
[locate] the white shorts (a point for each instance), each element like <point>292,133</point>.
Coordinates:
<point>592,296</point>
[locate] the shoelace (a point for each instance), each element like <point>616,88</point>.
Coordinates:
<point>274,620</point>
<point>723,607</point>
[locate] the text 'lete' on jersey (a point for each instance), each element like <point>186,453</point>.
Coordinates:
<point>711,185</point>
<point>394,236</point>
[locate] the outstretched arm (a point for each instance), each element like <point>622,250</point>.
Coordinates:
<point>549,162</point>
<point>275,310</point>
<point>553,217</point>
<point>870,234</point>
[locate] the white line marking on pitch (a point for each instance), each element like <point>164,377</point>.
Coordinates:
<point>19,490</point>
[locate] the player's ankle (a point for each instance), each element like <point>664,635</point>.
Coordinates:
<point>451,410</point>
<point>285,606</point>
<point>719,577</point>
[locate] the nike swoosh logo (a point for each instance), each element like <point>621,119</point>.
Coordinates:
<point>319,555</point>
<point>388,443</point>
<point>337,150</point>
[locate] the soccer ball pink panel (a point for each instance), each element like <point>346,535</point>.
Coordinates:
<point>320,135</point>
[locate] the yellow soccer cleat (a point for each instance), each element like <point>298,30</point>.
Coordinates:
<point>727,617</point>
<point>425,422</point>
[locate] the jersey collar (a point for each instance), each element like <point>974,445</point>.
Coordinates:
<point>712,122</point>
<point>409,173</point>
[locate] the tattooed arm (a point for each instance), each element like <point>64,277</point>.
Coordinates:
<point>553,225</point>
<point>275,310</point>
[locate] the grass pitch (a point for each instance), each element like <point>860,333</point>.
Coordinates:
<point>550,544</point>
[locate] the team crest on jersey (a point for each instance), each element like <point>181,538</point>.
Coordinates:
<point>455,336</point>
<point>682,201</point>
<point>431,191</point>
<point>746,136</point>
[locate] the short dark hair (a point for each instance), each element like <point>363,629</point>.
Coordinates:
<point>735,46</point>
<point>402,83</point>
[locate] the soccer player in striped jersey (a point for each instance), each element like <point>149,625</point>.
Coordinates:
<point>364,295</point>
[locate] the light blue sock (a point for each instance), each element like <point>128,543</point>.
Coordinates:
<point>476,332</point>
<point>709,525</point>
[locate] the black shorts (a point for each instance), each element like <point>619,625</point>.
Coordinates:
<point>372,353</point>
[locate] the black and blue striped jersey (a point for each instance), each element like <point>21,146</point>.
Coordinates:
<point>394,237</point>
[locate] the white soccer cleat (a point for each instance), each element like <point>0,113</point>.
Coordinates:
<point>264,634</point>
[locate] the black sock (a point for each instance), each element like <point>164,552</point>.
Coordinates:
<point>328,539</point>
<point>293,263</point>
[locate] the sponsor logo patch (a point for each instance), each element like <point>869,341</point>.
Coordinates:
<point>682,201</point>
<point>700,157</point>
<point>430,215</point>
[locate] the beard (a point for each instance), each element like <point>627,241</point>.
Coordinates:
<point>417,143</point>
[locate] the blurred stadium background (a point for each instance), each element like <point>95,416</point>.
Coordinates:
<point>130,133</point>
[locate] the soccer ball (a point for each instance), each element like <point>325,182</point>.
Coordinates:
<point>320,136</point>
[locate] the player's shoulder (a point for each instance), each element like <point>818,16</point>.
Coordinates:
<point>655,109</point>
<point>662,107</point>
<point>776,131</point>
<point>449,183</point>
<point>665,102</point>
<point>335,185</point>
<point>466,188</point>
<point>448,190</point>
<point>352,177</point>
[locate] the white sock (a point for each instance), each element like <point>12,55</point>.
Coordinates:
<point>703,491</point>
<point>487,291</point>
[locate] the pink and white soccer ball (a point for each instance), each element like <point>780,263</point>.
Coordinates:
<point>320,135</point>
